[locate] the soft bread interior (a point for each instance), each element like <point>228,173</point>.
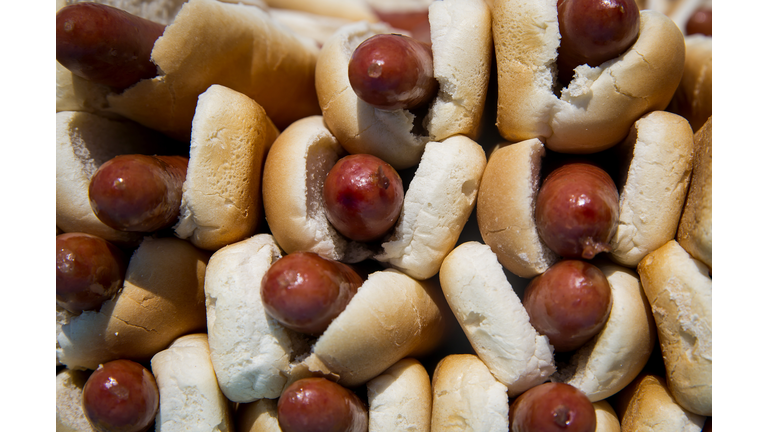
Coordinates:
<point>69,401</point>
<point>492,316</point>
<point>467,397</point>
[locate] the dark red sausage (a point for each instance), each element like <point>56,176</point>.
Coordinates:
<point>320,405</point>
<point>106,45</point>
<point>138,193</point>
<point>552,407</point>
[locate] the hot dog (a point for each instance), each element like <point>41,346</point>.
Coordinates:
<point>167,101</point>
<point>369,336</point>
<point>393,135</point>
<point>446,178</point>
<point>400,398</point>
<point>317,403</point>
<point>596,109</point>
<point>162,298</point>
<point>652,169</point>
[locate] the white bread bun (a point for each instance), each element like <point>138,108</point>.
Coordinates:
<point>505,208</point>
<point>258,416</point>
<point>695,230</point>
<point>653,186</point>
<point>400,398</point>
<point>600,104</point>
<point>467,397</point>
<point>437,202</point>
<point>69,401</point>
<point>693,98</point>
<point>160,11</point>
<point>462,74</point>
<point>162,298</point>
<point>353,10</point>
<point>679,290</point>
<point>294,172</point>
<point>255,357</point>
<point>607,419</point>
<point>492,316</point>
<point>221,199</point>
<point>84,141</point>
<point>391,317</point>
<point>317,27</point>
<point>245,50</point>
<point>615,356</point>
<point>646,405</point>
<point>190,398</point>
<point>251,352</point>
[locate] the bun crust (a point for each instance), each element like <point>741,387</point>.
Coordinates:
<point>695,230</point>
<point>162,298</point>
<point>69,401</point>
<point>505,208</point>
<point>693,98</point>
<point>377,328</point>
<point>221,200</point>
<point>653,186</point>
<point>647,405</point>
<point>494,319</point>
<point>600,104</point>
<point>258,416</point>
<point>400,398</point>
<point>462,74</point>
<point>607,420</point>
<point>463,388</point>
<point>189,392</point>
<point>679,290</point>
<point>616,355</point>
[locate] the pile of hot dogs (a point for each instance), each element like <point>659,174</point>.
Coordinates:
<point>358,215</point>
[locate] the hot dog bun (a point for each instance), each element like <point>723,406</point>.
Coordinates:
<point>162,298</point>
<point>463,76</point>
<point>84,141</point>
<point>494,319</point>
<point>189,393</point>
<point>258,416</point>
<point>679,290</point>
<point>505,208</point>
<point>659,158</point>
<point>69,401</point>
<point>693,98</point>
<point>463,388</point>
<point>616,355</point>
<point>647,405</point>
<point>600,104</point>
<point>369,336</point>
<point>400,398</point>
<point>221,201</point>
<point>695,230</point>
<point>251,53</point>
<point>437,203</point>
<point>607,420</point>
<point>353,10</point>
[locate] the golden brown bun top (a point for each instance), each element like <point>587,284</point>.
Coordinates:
<point>647,405</point>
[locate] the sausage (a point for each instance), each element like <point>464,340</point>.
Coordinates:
<point>392,71</point>
<point>89,270</point>
<point>138,192</point>
<point>305,291</point>
<point>569,303</point>
<point>121,395</point>
<point>554,407</point>
<point>106,45</point>
<point>317,404</point>
<point>577,210</point>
